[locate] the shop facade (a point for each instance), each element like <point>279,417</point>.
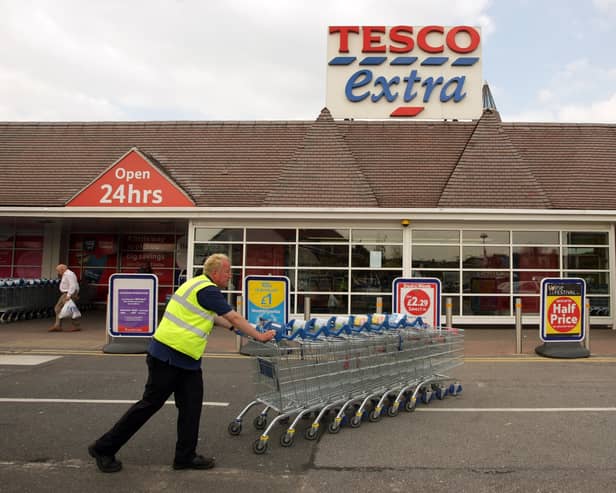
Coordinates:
<point>341,208</point>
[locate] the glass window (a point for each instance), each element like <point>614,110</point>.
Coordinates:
<point>535,238</point>
<point>450,280</point>
<point>218,234</point>
<point>323,303</point>
<point>586,238</point>
<point>323,235</point>
<point>596,282</point>
<point>535,257</point>
<point>531,305</point>
<point>436,256</point>
<point>585,258</point>
<point>486,282</point>
<point>485,237</point>
<point>274,254</point>
<point>480,257</point>
<point>485,305</point>
<point>271,235</point>
<point>204,250</point>
<point>386,255</point>
<point>599,307</point>
<point>530,282</point>
<point>377,236</point>
<point>435,236</point>
<point>273,271</point>
<point>367,304</point>
<point>322,280</point>
<point>323,255</point>
<point>373,280</point>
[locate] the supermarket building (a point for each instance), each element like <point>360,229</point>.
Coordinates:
<point>340,207</point>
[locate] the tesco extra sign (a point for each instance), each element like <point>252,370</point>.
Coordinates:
<point>427,72</point>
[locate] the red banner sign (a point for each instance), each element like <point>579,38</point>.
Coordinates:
<point>133,181</point>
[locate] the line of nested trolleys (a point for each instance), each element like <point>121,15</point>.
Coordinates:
<point>349,368</point>
<point>22,299</point>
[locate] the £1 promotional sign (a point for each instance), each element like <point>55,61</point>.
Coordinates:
<point>425,72</point>
<point>563,309</point>
<point>267,298</point>
<point>418,298</point>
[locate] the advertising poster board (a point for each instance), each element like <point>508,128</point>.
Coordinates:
<point>563,309</point>
<point>133,305</point>
<point>418,297</point>
<point>267,297</point>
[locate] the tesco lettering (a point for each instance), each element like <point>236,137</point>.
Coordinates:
<point>402,39</point>
<point>381,71</point>
<point>129,193</point>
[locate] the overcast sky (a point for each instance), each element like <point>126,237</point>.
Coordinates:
<point>92,60</point>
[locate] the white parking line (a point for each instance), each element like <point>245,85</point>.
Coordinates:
<point>92,401</point>
<point>25,359</point>
<point>517,409</point>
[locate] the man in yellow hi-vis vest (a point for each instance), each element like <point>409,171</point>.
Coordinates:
<point>174,366</point>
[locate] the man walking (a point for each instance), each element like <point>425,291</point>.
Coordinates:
<point>69,289</point>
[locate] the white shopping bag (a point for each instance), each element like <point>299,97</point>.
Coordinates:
<point>70,310</point>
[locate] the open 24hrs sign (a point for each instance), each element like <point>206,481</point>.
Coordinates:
<point>133,181</point>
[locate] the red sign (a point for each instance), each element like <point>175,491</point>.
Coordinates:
<point>563,314</point>
<point>133,181</point>
<point>417,302</point>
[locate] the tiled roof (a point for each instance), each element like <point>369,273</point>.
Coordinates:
<point>491,173</point>
<point>322,171</point>
<point>325,163</point>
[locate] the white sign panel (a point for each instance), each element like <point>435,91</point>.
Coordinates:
<point>418,298</point>
<point>425,72</point>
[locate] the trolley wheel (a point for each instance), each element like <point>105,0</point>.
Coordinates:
<point>260,422</point>
<point>259,446</point>
<point>392,411</point>
<point>234,428</point>
<point>286,439</point>
<point>409,405</point>
<point>355,421</point>
<point>374,416</point>
<point>311,433</point>
<point>333,427</point>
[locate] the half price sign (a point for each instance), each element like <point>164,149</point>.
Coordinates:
<point>562,309</point>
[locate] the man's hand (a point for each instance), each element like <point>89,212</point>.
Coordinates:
<point>266,336</point>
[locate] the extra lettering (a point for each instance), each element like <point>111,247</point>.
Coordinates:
<point>453,89</point>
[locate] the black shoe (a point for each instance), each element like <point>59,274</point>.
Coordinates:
<point>105,463</point>
<point>198,462</point>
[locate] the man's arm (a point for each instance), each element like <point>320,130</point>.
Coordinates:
<point>234,319</point>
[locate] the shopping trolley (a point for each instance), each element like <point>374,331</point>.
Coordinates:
<point>358,366</point>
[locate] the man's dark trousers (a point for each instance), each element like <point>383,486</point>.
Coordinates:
<point>163,380</point>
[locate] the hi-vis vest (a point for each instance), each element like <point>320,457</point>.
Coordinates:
<point>185,326</point>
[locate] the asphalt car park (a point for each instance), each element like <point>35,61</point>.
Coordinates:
<point>520,424</point>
